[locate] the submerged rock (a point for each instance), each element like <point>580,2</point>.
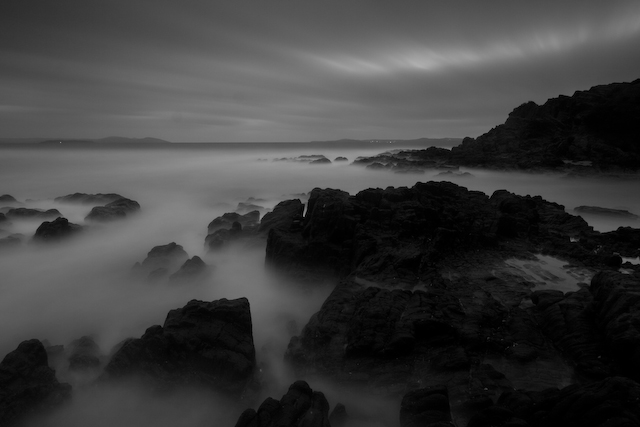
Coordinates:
<point>56,230</point>
<point>27,385</point>
<point>299,407</point>
<point>117,209</point>
<point>201,344</point>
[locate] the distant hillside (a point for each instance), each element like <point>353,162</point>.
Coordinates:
<point>65,141</point>
<point>600,125</point>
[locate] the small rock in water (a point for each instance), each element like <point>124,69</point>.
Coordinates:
<point>596,210</point>
<point>56,230</point>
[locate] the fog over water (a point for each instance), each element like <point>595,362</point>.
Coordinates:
<point>60,292</point>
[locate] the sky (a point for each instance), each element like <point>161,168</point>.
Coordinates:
<point>275,70</point>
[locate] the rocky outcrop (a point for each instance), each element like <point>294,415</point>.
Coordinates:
<point>405,233</point>
<point>161,260</point>
<point>117,209</point>
<point>426,407</point>
<point>614,401</point>
<point>29,213</point>
<point>616,304</point>
<point>193,270</point>
<point>590,132</point>
<point>206,344</point>
<point>286,215</point>
<point>250,219</point>
<point>88,199</point>
<point>299,407</point>
<point>56,230</point>
<point>27,385</point>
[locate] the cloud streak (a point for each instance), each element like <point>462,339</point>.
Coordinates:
<point>292,71</point>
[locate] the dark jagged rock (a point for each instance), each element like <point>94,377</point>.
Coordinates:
<point>55,230</point>
<point>250,219</point>
<point>616,303</point>
<point>204,343</point>
<point>88,199</point>
<point>426,407</point>
<point>84,354</point>
<point>117,209</point>
<point>590,132</point>
<point>299,407</point>
<point>192,270</point>
<point>614,401</point>
<point>29,213</point>
<point>223,236</point>
<point>596,210</point>
<point>27,385</point>
<point>168,257</point>
<point>286,215</point>
<point>403,233</point>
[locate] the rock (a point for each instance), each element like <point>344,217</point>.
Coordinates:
<point>616,304</point>
<point>56,230</point>
<point>340,159</point>
<point>168,257</point>
<point>192,270</point>
<point>299,407</point>
<point>245,208</point>
<point>226,221</point>
<point>27,385</point>
<point>28,213</point>
<point>425,407</point>
<point>84,354</point>
<point>206,344</point>
<point>320,161</point>
<point>89,199</point>
<point>286,215</point>
<point>117,209</point>
<point>3,218</point>
<point>222,237</point>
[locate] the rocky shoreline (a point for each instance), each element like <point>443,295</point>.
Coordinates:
<point>429,311</point>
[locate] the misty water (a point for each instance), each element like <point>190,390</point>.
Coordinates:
<point>60,292</point>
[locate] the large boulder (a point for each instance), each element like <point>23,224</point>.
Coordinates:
<point>299,407</point>
<point>27,385</point>
<point>117,209</point>
<point>56,230</point>
<point>168,257</point>
<point>206,344</point>
<point>285,215</point>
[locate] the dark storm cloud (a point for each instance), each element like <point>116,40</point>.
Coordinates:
<point>291,70</point>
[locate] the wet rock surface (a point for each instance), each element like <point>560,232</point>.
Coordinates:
<point>28,386</point>
<point>206,344</point>
<point>299,407</point>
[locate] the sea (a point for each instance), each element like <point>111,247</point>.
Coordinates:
<point>84,287</point>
